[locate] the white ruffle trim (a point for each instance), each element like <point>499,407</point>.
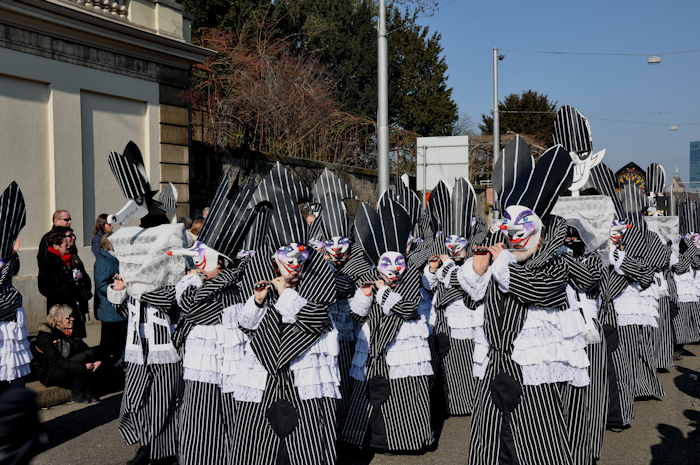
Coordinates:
<point>589,310</point>
<point>339,312</point>
<point>316,372</point>
<point>636,307</point>
<point>391,300</point>
<point>429,280</point>
<point>472,283</point>
<point>501,269</point>
<point>116,297</point>
<point>481,350</point>
<point>463,321</point>
<point>187,281</point>
<point>551,347</point>
<point>685,286</point>
<point>409,354</point>
<point>250,315</point>
<point>289,304</point>
<point>15,352</point>
<point>248,383</point>
<point>360,303</point>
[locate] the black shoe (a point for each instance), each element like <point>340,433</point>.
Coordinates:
<point>141,457</point>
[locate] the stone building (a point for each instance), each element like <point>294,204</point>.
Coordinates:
<point>78,79</point>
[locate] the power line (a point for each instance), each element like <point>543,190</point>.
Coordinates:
<point>606,53</point>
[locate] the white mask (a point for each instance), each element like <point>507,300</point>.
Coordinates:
<point>391,266</point>
<point>523,228</point>
<point>337,248</point>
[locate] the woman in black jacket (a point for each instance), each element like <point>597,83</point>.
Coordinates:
<point>63,279</point>
<point>62,359</point>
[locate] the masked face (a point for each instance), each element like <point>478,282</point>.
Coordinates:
<point>573,242</point>
<point>337,248</point>
<point>617,231</point>
<point>695,237</point>
<point>392,265</point>
<point>205,258</point>
<point>290,259</point>
<point>523,229</point>
<point>456,246</point>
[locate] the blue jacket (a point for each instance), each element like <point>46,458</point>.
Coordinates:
<point>106,266</point>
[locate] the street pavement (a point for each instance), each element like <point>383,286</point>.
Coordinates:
<point>664,432</point>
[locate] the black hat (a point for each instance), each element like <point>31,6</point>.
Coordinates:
<point>656,178</point>
<point>603,180</point>
<point>572,131</point>
<point>519,181</point>
<point>13,217</point>
<point>385,229</point>
<point>329,192</point>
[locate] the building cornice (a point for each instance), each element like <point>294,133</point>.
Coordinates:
<point>70,22</point>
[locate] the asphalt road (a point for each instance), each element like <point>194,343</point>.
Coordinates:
<point>664,432</point>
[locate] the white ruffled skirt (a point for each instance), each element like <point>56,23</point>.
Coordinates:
<point>15,352</point>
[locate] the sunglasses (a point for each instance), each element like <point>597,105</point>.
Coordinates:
<point>66,219</point>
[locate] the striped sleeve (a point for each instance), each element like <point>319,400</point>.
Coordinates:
<point>544,287</point>
<point>203,305</point>
<point>580,274</point>
<point>684,262</point>
<point>637,271</point>
<point>163,297</point>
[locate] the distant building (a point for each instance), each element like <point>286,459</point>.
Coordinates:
<point>695,161</point>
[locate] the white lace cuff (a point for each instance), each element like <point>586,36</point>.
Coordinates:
<point>390,300</point>
<point>289,304</point>
<point>187,281</point>
<point>472,283</point>
<point>114,296</point>
<point>251,315</point>
<point>501,269</point>
<point>430,280</point>
<point>360,303</point>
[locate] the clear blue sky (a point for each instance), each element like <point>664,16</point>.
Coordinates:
<point>603,88</point>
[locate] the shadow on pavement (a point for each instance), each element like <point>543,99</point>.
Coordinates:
<point>675,448</point>
<point>688,382</point>
<point>78,422</point>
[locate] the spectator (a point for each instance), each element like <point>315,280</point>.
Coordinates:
<point>205,212</point>
<point>61,218</point>
<point>62,277</point>
<point>113,328</point>
<point>102,229</point>
<point>63,359</point>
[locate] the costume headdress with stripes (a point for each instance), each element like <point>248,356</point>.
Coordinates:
<point>13,217</point>
<point>287,229</point>
<point>168,200</point>
<point>130,173</point>
<point>573,132</point>
<point>688,218</point>
<point>383,235</point>
<point>655,183</point>
<point>527,192</point>
<point>333,223</point>
<point>224,232</point>
<point>453,216</point>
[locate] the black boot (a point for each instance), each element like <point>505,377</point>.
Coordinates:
<point>141,457</point>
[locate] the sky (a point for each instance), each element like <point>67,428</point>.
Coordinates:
<point>630,104</point>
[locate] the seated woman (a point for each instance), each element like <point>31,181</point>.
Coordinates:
<point>61,359</point>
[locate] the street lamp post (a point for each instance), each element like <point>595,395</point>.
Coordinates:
<point>496,116</point>
<point>383,102</point>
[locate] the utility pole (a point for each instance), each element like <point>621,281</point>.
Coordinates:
<point>496,116</point>
<point>383,102</point>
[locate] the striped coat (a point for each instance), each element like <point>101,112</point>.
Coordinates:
<point>390,413</point>
<point>513,422</point>
<point>686,322</point>
<point>282,427</point>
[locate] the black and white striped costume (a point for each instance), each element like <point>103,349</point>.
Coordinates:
<point>15,354</point>
<point>686,324</point>
<point>661,343</point>
<point>154,369</point>
<point>519,413</point>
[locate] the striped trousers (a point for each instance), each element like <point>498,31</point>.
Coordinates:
<point>203,426</point>
<point>345,354</point>
<point>534,433</point>
<point>453,370</point>
<point>663,336</point>
<point>686,327</point>
<point>149,407</point>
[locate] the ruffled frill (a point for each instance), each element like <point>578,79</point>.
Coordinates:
<point>15,352</point>
<point>551,347</point>
<point>463,321</point>
<point>409,354</point>
<point>589,310</point>
<point>316,372</point>
<point>636,307</point>
<point>288,304</point>
<point>480,355</point>
<point>250,315</point>
<point>189,280</point>
<point>339,312</point>
<point>685,287</point>
<point>472,283</point>
<point>360,303</point>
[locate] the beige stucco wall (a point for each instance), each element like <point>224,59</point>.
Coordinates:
<point>58,121</point>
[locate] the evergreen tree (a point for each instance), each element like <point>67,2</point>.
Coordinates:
<point>533,115</point>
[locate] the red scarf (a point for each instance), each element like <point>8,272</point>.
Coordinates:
<point>66,257</point>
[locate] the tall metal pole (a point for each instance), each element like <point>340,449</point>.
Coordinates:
<point>383,101</point>
<point>496,116</point>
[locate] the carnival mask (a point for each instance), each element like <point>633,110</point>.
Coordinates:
<point>204,257</point>
<point>523,228</point>
<point>573,242</point>
<point>337,248</point>
<point>456,246</point>
<point>290,258</point>
<point>391,266</point>
<point>695,237</point>
<point>617,231</point>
